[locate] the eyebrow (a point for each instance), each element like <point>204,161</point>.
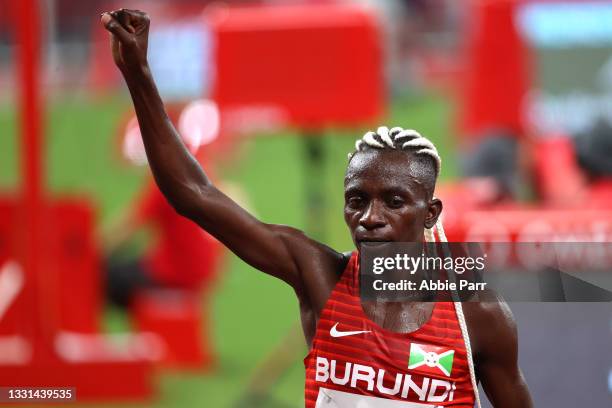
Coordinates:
<point>389,190</point>
<point>401,189</point>
<point>352,190</point>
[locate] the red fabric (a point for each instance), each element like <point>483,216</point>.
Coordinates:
<point>383,350</point>
<point>184,255</point>
<point>497,73</point>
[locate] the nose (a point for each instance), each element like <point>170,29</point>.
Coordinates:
<point>372,218</point>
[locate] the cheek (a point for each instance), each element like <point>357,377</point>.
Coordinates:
<point>350,217</point>
<point>412,218</point>
<point>420,209</point>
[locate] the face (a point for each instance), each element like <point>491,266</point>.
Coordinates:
<point>383,201</point>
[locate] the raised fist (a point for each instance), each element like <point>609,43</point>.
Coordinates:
<point>129,37</point>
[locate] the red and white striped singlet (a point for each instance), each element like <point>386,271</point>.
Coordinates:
<point>356,363</point>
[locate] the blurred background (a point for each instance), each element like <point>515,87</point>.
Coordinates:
<point>104,288</point>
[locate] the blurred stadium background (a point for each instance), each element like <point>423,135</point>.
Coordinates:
<point>554,76</point>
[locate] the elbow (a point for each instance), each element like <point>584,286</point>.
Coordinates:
<point>182,209</point>
<point>190,202</point>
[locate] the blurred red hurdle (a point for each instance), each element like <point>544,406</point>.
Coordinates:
<point>44,243</point>
<point>176,317</point>
<point>70,353</point>
<point>301,64</point>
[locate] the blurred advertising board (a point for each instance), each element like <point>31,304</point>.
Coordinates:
<point>572,43</point>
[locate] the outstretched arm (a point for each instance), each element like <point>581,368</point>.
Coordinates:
<point>493,332</point>
<point>270,248</point>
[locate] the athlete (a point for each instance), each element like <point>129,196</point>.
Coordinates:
<point>376,354</point>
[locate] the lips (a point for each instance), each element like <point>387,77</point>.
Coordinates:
<point>370,238</point>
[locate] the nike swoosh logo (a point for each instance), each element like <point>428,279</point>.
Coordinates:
<point>336,333</point>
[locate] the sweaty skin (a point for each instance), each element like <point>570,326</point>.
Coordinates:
<point>383,201</point>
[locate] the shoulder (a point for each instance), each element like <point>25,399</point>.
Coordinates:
<point>491,326</point>
<point>309,254</point>
<point>346,257</point>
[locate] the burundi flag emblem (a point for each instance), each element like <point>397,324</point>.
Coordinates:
<point>431,359</point>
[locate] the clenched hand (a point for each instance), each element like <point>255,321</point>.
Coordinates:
<point>129,38</point>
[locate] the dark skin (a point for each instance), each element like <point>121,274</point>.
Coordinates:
<point>384,201</point>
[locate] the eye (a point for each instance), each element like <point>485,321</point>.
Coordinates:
<point>395,202</point>
<point>355,202</point>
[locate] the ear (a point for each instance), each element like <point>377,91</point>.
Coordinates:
<point>434,209</point>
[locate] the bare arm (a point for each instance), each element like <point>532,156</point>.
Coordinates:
<point>270,248</point>
<point>495,346</point>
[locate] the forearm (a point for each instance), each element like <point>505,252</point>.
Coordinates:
<point>177,174</point>
<point>509,392</point>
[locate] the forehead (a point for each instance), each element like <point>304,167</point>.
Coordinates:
<point>378,168</point>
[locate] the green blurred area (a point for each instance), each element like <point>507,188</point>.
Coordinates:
<point>251,311</point>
